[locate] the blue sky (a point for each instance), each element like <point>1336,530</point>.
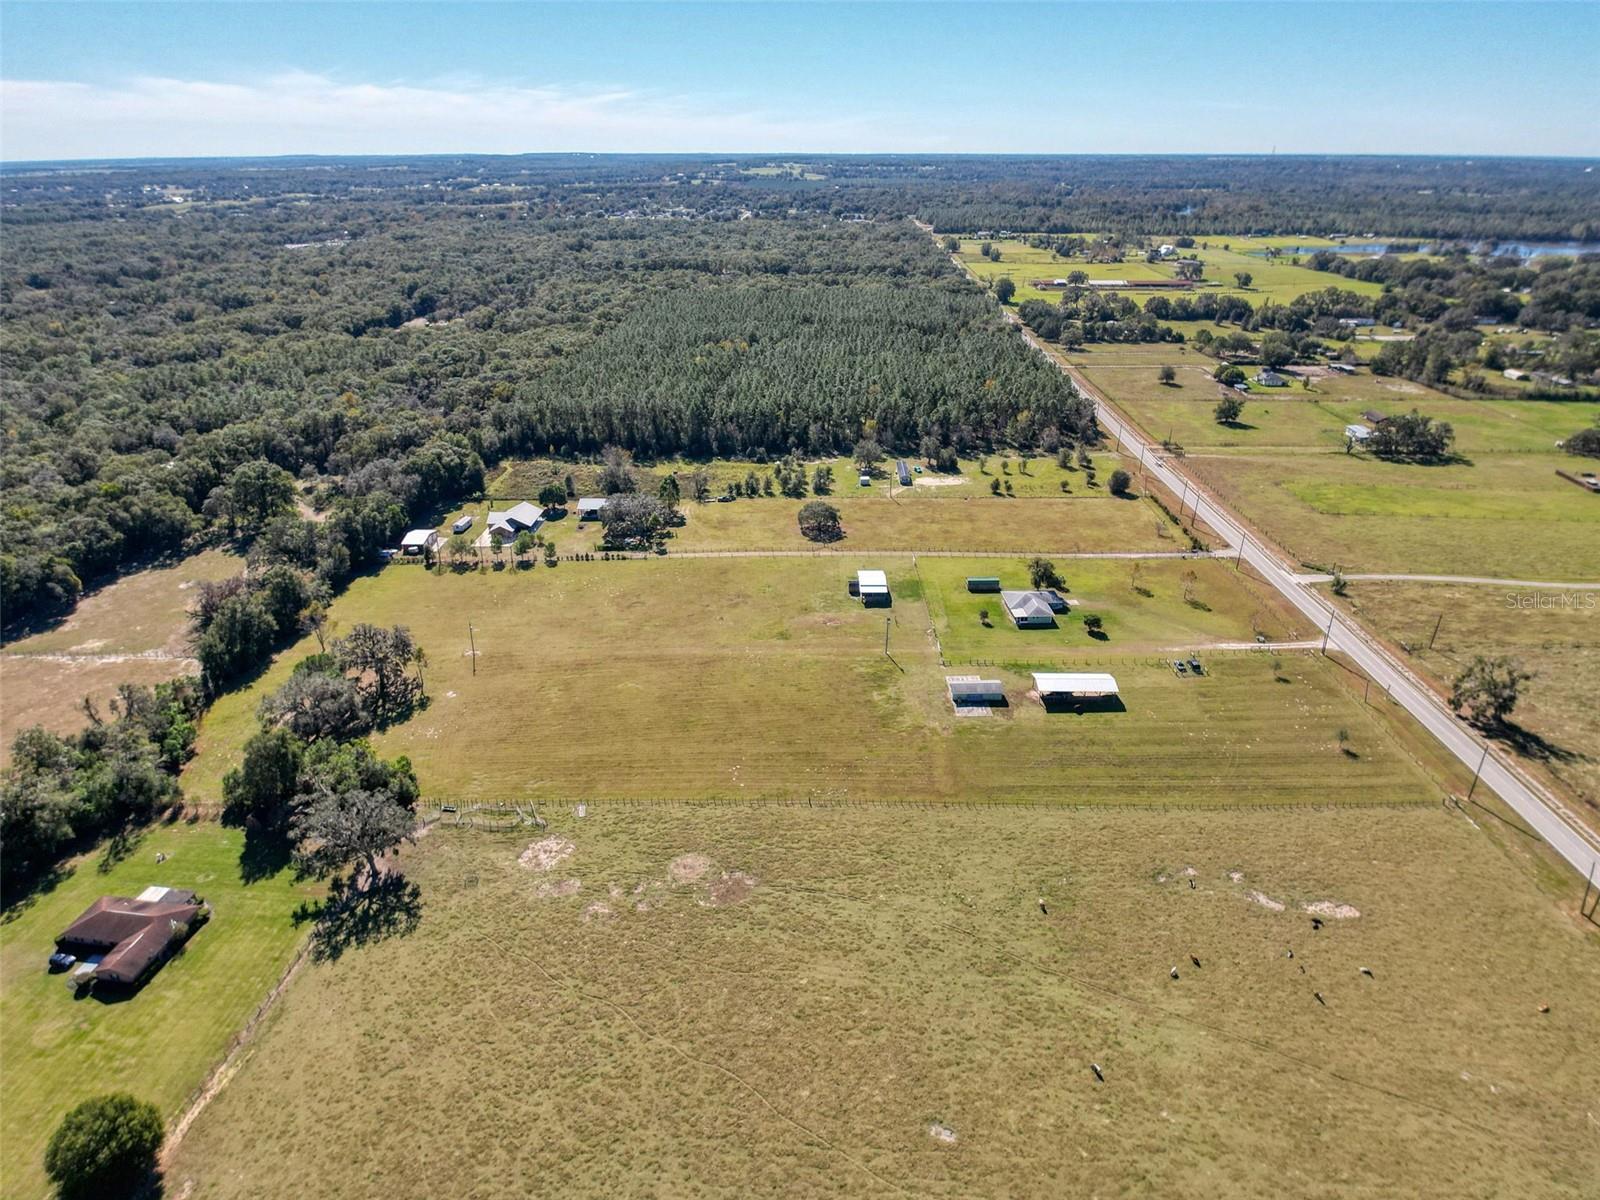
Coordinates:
<point>109,80</point>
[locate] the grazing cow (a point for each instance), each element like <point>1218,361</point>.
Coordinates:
<point>1174,972</point>
<point>1316,922</point>
<point>1098,1073</point>
<point>1042,908</point>
<point>1320,1000</point>
<point>1290,954</point>
<point>1367,971</point>
<point>1195,961</point>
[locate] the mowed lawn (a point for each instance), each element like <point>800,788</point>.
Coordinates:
<point>132,631</point>
<point>727,678</point>
<point>1555,634</point>
<point>822,1002</point>
<point>160,1042</point>
<point>1146,607</point>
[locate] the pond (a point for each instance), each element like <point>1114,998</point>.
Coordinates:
<point>1492,249</point>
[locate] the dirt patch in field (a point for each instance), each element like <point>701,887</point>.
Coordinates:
<point>597,911</point>
<point>938,480</point>
<point>731,887</point>
<point>1236,876</point>
<point>688,868</point>
<point>557,891</point>
<point>546,853</point>
<point>942,1133</point>
<point>1265,901</point>
<point>1329,908</point>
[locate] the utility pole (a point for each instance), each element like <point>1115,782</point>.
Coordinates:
<point>1243,539</point>
<point>886,637</point>
<point>1478,772</point>
<point>1435,632</point>
<point>472,642</point>
<point>1328,631</point>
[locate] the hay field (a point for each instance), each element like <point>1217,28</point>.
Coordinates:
<point>811,1002</point>
<point>695,678</point>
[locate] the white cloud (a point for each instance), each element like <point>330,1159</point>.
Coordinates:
<point>299,113</point>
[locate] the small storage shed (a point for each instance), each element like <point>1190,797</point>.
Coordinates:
<point>1357,433</point>
<point>982,583</point>
<point>589,507</point>
<point>968,691</point>
<point>866,480</point>
<point>419,541</point>
<point>872,587</point>
<point>904,472</point>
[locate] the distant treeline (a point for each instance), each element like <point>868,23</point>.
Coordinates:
<point>1539,199</point>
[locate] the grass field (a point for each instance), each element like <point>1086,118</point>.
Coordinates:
<point>692,678</point>
<point>132,631</point>
<point>1552,633</point>
<point>823,1002</point>
<point>159,1043</point>
<point>1499,510</point>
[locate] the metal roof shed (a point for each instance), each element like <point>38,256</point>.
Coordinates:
<point>1074,683</point>
<point>872,583</point>
<point>969,689</point>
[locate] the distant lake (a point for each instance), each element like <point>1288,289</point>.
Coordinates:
<point>1490,249</point>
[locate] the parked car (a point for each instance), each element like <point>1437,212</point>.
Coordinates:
<point>1178,667</point>
<point>1194,665</point>
<point>62,961</point>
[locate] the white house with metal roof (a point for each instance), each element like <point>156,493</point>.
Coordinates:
<point>1029,610</point>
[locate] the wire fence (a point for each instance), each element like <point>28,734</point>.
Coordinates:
<point>444,811</point>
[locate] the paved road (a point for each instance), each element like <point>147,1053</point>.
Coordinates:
<point>1544,813</point>
<point>1483,579</point>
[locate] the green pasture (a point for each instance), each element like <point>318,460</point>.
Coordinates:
<point>726,678</point>
<point>1312,418</point>
<point>1503,515</point>
<point>160,1042</point>
<point>1277,280</point>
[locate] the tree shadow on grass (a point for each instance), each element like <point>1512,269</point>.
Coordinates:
<point>353,917</point>
<point>265,853</point>
<point>1530,745</point>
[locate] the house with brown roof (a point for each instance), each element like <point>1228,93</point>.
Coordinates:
<point>121,940</point>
